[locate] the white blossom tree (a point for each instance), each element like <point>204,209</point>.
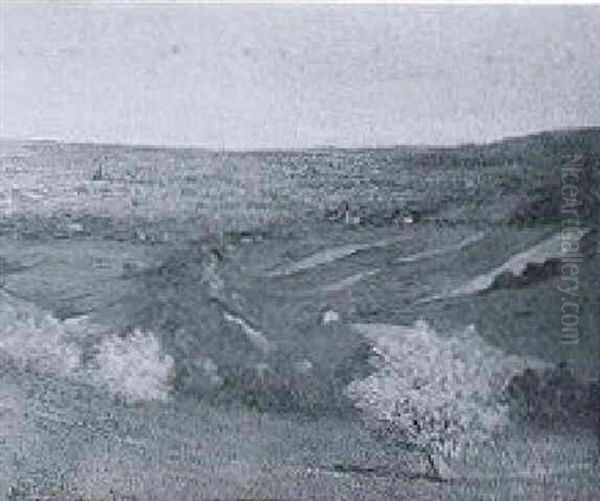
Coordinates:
<point>434,393</point>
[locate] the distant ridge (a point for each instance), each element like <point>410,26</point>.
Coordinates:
<point>416,148</point>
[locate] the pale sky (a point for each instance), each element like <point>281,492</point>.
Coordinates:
<point>295,76</point>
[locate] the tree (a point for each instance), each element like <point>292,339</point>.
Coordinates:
<point>435,393</point>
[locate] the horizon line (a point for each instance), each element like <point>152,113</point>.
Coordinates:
<point>276,149</point>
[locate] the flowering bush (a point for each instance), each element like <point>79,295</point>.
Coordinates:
<point>431,392</point>
<point>134,366</point>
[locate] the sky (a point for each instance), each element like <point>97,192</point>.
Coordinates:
<point>266,76</point>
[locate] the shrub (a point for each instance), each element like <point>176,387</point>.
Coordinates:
<point>434,393</point>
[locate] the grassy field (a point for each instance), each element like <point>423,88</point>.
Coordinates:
<point>127,250</point>
<point>68,441</point>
